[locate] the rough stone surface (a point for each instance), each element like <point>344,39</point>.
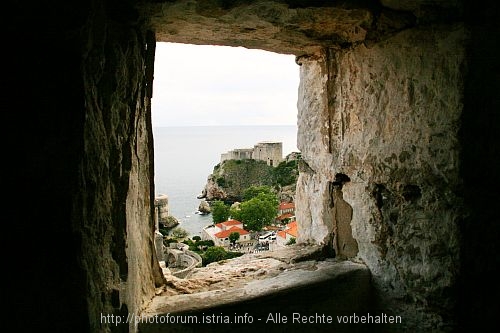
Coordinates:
<point>236,272</point>
<point>268,25</point>
<point>388,117</point>
<point>114,209</point>
<point>280,275</point>
<point>344,244</point>
<point>204,207</point>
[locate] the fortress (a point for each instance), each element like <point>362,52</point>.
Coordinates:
<point>269,152</point>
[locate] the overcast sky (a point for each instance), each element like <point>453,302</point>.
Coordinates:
<point>218,85</point>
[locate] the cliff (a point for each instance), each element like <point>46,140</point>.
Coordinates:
<point>231,177</point>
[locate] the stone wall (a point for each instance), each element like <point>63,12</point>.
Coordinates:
<point>162,209</point>
<point>269,152</point>
<point>114,210</point>
<point>388,117</point>
<point>189,261</point>
<point>237,154</point>
<point>87,150</point>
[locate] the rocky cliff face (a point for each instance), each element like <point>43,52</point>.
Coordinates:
<point>230,178</point>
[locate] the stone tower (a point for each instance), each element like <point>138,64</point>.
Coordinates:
<point>269,152</point>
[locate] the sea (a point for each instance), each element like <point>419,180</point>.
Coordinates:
<point>184,157</point>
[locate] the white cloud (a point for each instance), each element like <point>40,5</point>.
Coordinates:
<point>218,85</point>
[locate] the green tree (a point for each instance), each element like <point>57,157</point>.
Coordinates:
<point>259,211</point>
<point>235,212</point>
<point>220,211</point>
<point>207,243</point>
<point>178,233</point>
<point>213,254</point>
<point>291,241</point>
<point>234,236</point>
<point>254,191</point>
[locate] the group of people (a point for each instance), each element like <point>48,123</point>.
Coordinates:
<point>241,247</point>
<point>250,247</point>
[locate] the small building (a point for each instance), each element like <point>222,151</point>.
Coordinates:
<point>285,218</point>
<point>162,211</point>
<point>222,237</point>
<point>284,236</point>
<point>286,213</point>
<point>220,232</point>
<point>286,207</point>
<point>227,225</point>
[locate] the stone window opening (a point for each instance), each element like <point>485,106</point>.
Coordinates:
<point>362,105</point>
<point>270,161</point>
<point>270,265</point>
<point>397,95</point>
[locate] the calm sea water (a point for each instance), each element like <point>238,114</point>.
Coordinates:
<point>186,156</point>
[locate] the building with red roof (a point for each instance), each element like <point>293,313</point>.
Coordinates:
<point>222,237</point>
<point>286,207</point>
<point>286,212</point>
<point>220,232</point>
<point>227,225</point>
<point>284,236</point>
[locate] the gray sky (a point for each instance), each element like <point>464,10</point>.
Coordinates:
<point>218,85</point>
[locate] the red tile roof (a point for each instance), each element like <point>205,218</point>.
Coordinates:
<point>284,216</point>
<point>225,224</point>
<point>292,231</point>
<point>226,233</point>
<point>231,222</point>
<point>286,205</point>
<point>281,234</point>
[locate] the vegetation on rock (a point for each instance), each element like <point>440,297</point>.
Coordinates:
<point>231,178</point>
<point>286,173</point>
<point>217,253</point>
<point>167,225</point>
<point>220,211</point>
<point>206,249</point>
<point>178,233</point>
